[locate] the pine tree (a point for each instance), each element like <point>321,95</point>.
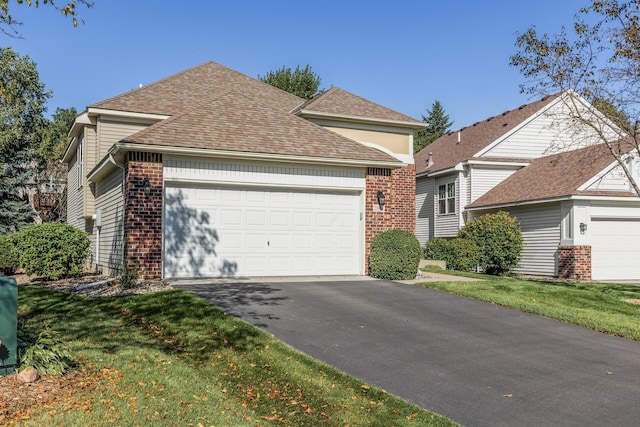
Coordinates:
<point>22,104</point>
<point>438,124</point>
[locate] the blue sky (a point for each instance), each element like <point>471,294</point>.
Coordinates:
<point>401,54</point>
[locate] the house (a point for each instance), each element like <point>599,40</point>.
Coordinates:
<point>579,217</point>
<point>212,173</point>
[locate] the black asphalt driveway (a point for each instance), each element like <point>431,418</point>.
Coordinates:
<point>474,362</point>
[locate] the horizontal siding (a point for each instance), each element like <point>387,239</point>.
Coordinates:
<point>89,147</point>
<point>112,131</point>
<point>74,196</point>
<point>446,225</point>
<point>484,179</point>
<point>256,173</point>
<point>545,134</point>
<point>110,200</point>
<point>541,238</point>
<point>424,210</point>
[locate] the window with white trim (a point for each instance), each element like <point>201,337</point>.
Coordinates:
<point>80,161</point>
<point>447,198</point>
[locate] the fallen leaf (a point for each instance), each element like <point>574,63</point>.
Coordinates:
<point>507,395</point>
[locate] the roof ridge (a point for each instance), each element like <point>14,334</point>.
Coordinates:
<point>157,82</point>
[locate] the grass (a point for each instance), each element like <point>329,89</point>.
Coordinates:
<point>599,306</point>
<point>172,359</point>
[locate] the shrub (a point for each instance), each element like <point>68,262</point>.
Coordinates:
<point>9,260</point>
<point>459,254</point>
<point>500,240</point>
<point>52,250</point>
<point>395,255</point>
<point>128,277</point>
<point>44,350</point>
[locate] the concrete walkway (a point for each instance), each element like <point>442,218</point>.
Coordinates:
<point>477,363</point>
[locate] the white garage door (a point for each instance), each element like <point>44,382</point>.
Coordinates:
<point>224,231</point>
<point>615,249</point>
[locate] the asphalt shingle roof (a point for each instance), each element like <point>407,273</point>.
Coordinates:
<point>339,102</point>
<point>558,175</point>
<point>237,122</point>
<point>189,88</point>
<point>214,107</point>
<point>447,152</point>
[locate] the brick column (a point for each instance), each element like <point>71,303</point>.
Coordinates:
<point>574,262</point>
<point>143,214</point>
<point>399,188</point>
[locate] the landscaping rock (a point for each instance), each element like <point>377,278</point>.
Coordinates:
<point>29,375</point>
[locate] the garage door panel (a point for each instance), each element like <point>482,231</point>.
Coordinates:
<point>216,231</point>
<point>615,249</point>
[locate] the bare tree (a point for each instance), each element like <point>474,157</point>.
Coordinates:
<point>598,60</point>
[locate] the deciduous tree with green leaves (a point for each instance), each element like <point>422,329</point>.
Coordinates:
<point>8,24</point>
<point>302,82</point>
<point>438,124</point>
<point>22,105</point>
<point>598,59</point>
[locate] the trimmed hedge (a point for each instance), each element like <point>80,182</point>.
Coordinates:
<point>500,239</point>
<point>52,250</point>
<point>9,259</point>
<point>459,254</point>
<point>395,255</point>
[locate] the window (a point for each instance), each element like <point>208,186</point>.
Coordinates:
<point>447,198</point>
<point>80,162</point>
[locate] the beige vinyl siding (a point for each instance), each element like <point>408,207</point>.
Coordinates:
<point>541,237</point>
<point>110,201</point>
<point>111,131</point>
<point>89,147</point>
<point>424,209</point>
<point>74,196</point>
<point>485,178</point>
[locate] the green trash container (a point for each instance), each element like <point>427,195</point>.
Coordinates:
<point>8,325</point>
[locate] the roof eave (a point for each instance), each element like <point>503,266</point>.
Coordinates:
<point>121,147</point>
<point>309,114</point>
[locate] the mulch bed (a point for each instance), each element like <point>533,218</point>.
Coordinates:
<point>18,400</point>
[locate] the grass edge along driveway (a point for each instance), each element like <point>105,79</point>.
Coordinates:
<point>172,358</point>
<point>606,307</point>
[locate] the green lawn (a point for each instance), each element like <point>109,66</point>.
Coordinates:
<point>170,358</point>
<point>600,306</point>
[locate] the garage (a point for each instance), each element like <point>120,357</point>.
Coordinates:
<point>615,248</point>
<point>226,230</point>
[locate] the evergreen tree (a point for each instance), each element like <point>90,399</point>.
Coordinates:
<point>22,104</point>
<point>438,124</point>
<point>302,82</point>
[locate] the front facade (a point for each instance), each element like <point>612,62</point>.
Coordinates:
<point>236,178</point>
<point>574,206</point>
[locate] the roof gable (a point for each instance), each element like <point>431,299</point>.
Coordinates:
<point>555,176</point>
<point>184,90</point>
<point>338,103</point>
<point>234,121</point>
<point>458,146</point>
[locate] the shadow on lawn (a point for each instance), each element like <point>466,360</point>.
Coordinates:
<point>238,299</point>
<point>175,322</point>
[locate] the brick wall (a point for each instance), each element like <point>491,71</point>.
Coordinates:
<point>143,214</point>
<point>399,188</point>
<point>574,262</point>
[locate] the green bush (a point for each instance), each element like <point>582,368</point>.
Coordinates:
<point>459,254</point>
<point>52,250</point>
<point>44,351</point>
<point>500,241</point>
<point>128,277</point>
<point>9,260</point>
<point>395,255</point>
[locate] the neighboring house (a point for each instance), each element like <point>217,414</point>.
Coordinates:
<point>212,173</point>
<point>578,214</point>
